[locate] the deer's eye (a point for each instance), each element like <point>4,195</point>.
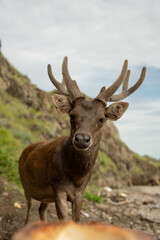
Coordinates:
<point>101,120</point>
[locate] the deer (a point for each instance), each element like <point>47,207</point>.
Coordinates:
<point>59,170</point>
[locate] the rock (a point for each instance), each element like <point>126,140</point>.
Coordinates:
<point>85,214</point>
<point>108,189</point>
<point>5,194</point>
<point>157,206</point>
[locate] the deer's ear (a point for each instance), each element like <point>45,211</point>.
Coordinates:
<point>116,110</point>
<point>61,103</point>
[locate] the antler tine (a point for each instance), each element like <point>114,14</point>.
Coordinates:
<point>106,94</point>
<point>71,85</point>
<point>60,86</point>
<point>101,91</point>
<point>126,81</point>
<point>126,92</point>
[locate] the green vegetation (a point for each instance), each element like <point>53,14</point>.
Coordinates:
<point>155,164</point>
<point>24,123</point>
<point>19,127</point>
<point>93,197</point>
<point>152,161</point>
<point>106,163</point>
<point>139,157</point>
<point>137,171</point>
<point>17,76</point>
<point>10,149</point>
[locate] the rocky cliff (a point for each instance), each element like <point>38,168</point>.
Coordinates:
<point>27,115</point>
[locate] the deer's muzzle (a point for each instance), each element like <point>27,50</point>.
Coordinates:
<point>81,140</point>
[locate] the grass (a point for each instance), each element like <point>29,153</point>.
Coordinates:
<point>93,197</point>
<point>19,127</point>
<point>106,163</point>
<point>17,76</point>
<point>10,149</point>
<point>139,157</point>
<point>25,123</point>
<point>137,171</point>
<point>153,162</point>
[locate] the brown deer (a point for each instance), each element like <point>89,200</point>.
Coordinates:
<point>59,170</point>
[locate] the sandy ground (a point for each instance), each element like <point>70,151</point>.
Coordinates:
<point>137,208</point>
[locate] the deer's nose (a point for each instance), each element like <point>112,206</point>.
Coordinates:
<point>82,140</point>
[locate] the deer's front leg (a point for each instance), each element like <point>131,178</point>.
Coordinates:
<point>76,206</point>
<point>61,205</point>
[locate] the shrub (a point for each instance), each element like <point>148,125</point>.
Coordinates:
<point>93,197</point>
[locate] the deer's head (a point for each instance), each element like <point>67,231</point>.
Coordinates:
<point>87,117</point>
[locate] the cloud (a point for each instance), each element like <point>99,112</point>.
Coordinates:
<point>103,31</point>
<point>140,127</point>
<point>97,36</point>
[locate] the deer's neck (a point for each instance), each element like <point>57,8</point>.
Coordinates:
<point>80,162</point>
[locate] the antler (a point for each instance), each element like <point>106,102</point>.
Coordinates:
<point>106,95</point>
<point>71,85</point>
<point>68,86</point>
<point>60,86</point>
<point>125,91</point>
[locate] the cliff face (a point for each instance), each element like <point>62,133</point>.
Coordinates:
<point>27,114</point>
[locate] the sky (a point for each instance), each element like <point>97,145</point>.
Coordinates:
<point>97,36</point>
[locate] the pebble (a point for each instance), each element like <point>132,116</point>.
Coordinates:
<point>106,217</point>
<point>107,189</point>
<point>5,194</point>
<point>85,214</point>
<point>157,206</point>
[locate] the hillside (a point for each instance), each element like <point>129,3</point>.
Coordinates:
<point>27,115</point>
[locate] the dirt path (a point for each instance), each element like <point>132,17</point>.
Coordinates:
<point>135,207</point>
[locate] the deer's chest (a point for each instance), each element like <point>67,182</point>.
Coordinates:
<point>73,186</point>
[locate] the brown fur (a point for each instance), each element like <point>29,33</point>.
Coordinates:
<point>58,171</point>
